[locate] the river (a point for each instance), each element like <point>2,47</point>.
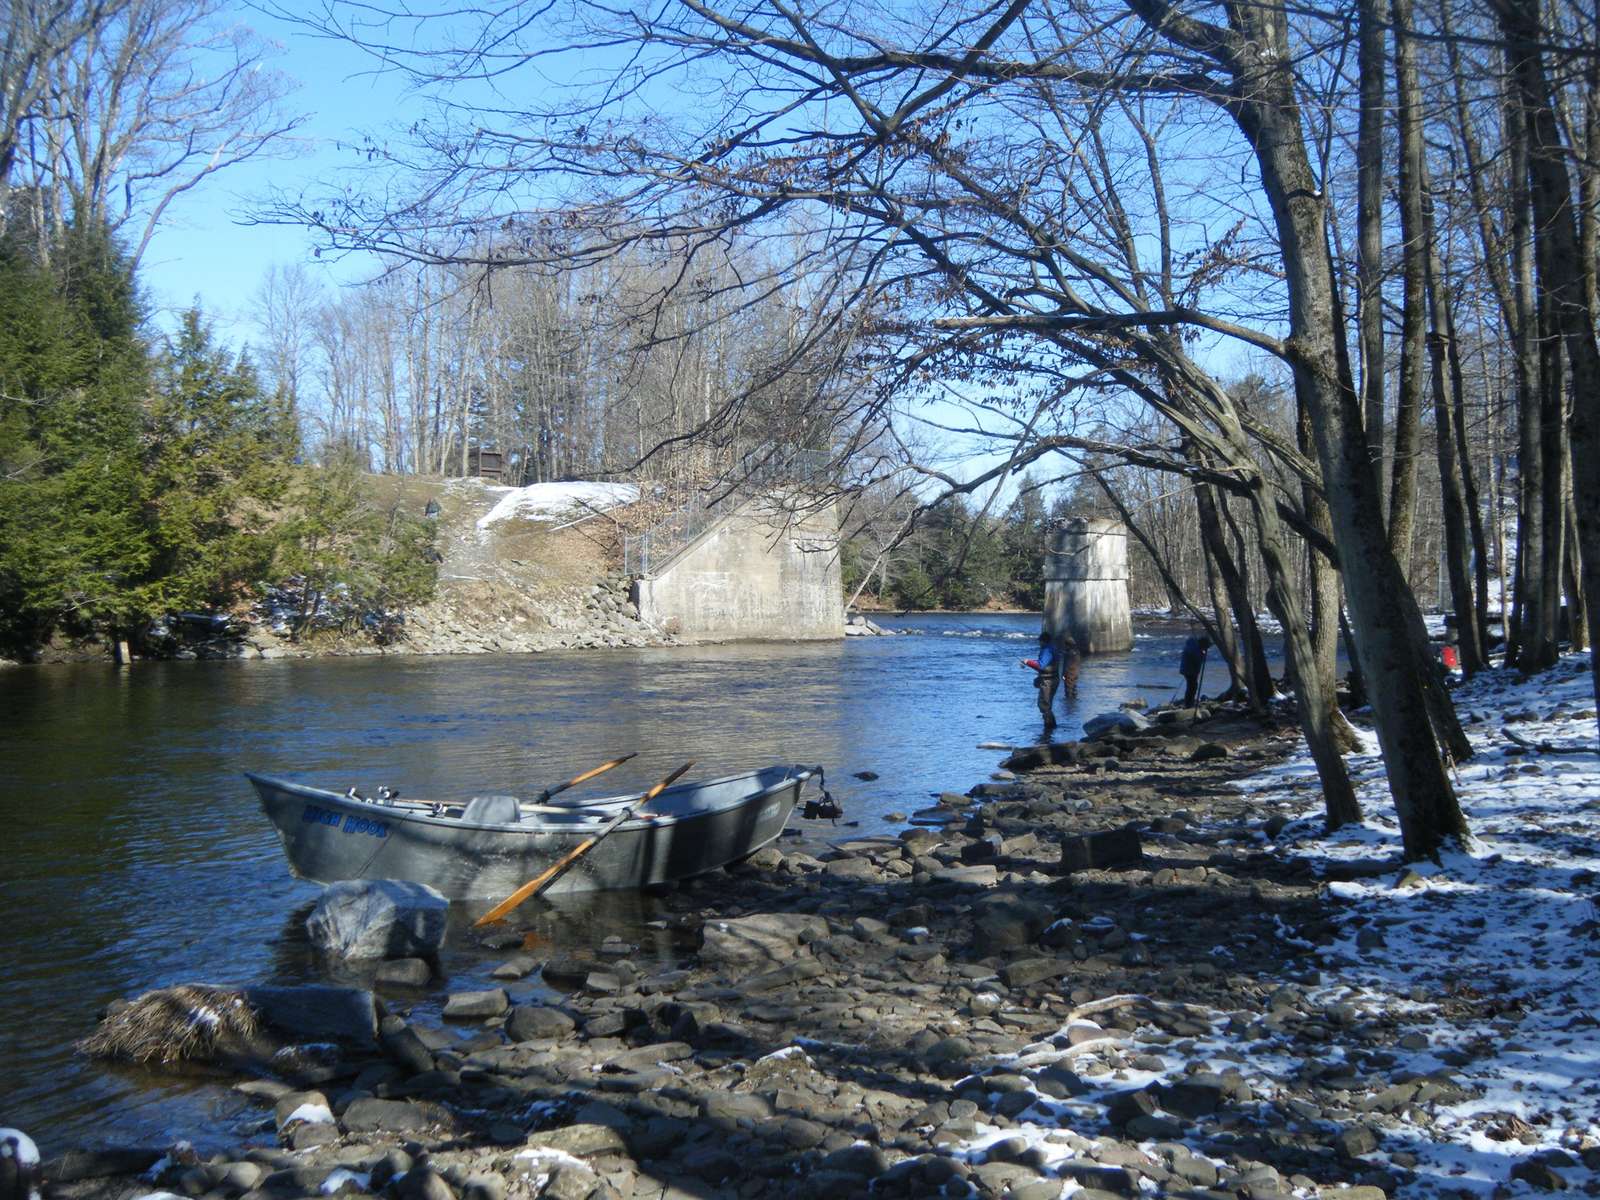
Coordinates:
<point>137,857</point>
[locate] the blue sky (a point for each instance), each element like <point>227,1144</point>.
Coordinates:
<point>203,250</point>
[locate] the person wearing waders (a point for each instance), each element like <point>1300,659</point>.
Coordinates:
<point>1047,674</point>
<point>1070,660</point>
<point>1192,666</point>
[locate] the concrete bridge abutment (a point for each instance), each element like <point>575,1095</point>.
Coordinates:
<point>762,572</point>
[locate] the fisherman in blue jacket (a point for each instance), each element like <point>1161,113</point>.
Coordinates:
<point>1192,666</point>
<point>1047,676</point>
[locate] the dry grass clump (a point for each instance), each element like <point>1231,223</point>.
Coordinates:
<point>187,1023</point>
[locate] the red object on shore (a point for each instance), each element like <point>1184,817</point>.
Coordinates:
<point>1451,658</point>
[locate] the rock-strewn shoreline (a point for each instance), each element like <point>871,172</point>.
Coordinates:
<point>951,1012</point>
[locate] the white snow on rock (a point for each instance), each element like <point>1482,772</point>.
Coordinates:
<point>311,1113</point>
<point>558,501</point>
<point>342,1175</point>
<point>16,1144</point>
<point>1480,972</point>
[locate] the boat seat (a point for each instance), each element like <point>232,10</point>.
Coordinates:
<point>492,810</point>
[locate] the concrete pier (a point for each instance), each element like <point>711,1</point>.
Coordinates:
<point>759,573</point>
<point>1086,585</point>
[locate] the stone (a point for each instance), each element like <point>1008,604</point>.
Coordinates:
<point>1003,923</point>
<point>302,1108</point>
<point>1123,721</point>
<point>580,1141</point>
<point>538,1022</point>
<point>861,1160</point>
<point>1196,1096</point>
<point>378,918</point>
<point>77,1165</point>
<point>345,1016</point>
<point>242,1176</point>
<point>405,1046</point>
<point>980,876</point>
<point>1131,1105</point>
<point>760,940</point>
<point>860,869</point>
<point>403,972</point>
<point>476,1006</point>
<point>516,968</point>
<point>372,1115</point>
<point>1106,850</point>
<point>1208,751</point>
<point>1119,1181</point>
<point>423,1183</point>
<point>798,1133</point>
<point>1539,1174</point>
<point>1027,971</point>
<point>1356,1140</point>
<point>566,972</point>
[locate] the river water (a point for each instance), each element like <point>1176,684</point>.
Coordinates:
<point>135,855</point>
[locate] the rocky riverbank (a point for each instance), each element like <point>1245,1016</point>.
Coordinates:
<point>895,1014</point>
<point>1095,976</point>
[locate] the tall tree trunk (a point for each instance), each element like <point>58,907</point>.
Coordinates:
<point>1264,104</point>
<point>1469,480</point>
<point>1372,68</point>
<point>1552,408</point>
<point>1257,673</point>
<point>1227,639</point>
<point>1413,257</point>
<point>1572,575</point>
<point>1325,587</point>
<point>1561,275</point>
<point>1317,703</point>
<point>1533,637</point>
<point>1445,406</point>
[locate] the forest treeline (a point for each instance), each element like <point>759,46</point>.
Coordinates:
<point>143,477</point>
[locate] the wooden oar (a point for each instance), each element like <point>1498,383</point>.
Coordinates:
<point>534,886</point>
<point>573,782</point>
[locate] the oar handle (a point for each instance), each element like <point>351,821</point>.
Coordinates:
<point>587,775</point>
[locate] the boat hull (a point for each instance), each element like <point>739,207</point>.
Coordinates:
<point>700,827</point>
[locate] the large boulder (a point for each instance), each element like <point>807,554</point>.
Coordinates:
<point>1114,722</point>
<point>377,919</point>
<point>314,1014</point>
<point>762,940</point>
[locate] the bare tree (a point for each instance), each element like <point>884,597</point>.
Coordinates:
<point>146,100</point>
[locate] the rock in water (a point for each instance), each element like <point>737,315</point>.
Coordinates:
<point>378,918</point>
<point>1114,722</point>
<point>19,1166</point>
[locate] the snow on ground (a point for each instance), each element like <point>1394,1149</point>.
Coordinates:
<point>558,501</point>
<point>1504,930</point>
<point>1483,967</point>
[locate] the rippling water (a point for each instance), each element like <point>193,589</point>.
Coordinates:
<point>136,855</point>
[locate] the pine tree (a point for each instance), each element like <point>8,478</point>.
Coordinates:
<point>216,466</point>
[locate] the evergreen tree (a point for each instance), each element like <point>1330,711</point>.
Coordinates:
<point>216,466</point>
<point>72,373</point>
<point>354,559</point>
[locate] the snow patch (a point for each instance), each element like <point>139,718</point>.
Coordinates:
<point>558,501</point>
